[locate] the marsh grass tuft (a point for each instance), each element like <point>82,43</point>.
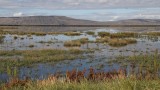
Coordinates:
<point>123,35</point>
<point>76,43</point>
<point>72,33</point>
<point>1,38</point>
<point>121,42</point>
<point>72,43</point>
<point>90,33</point>
<point>103,34</point>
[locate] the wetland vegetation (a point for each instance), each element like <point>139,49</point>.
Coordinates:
<point>79,60</point>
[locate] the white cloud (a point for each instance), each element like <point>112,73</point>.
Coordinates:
<point>78,4</point>
<point>18,14</point>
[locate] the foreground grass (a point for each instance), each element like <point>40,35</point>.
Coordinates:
<point>117,84</point>
<point>76,80</point>
<point>29,57</point>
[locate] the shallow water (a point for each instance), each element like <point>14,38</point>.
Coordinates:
<point>98,59</point>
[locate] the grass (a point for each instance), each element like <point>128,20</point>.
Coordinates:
<point>72,33</point>
<point>102,40</point>
<point>72,43</point>
<point>124,84</point>
<point>118,35</point>
<point>1,38</point>
<point>117,39</point>
<point>148,63</point>
<point>30,57</point>
<point>75,80</point>
<point>76,43</point>
<point>49,42</point>
<point>117,42</point>
<point>121,42</point>
<point>103,34</point>
<point>90,33</point>
<point>31,46</point>
<point>123,35</point>
<point>152,33</point>
<point>3,32</point>
<point>143,79</point>
<point>131,41</point>
<point>15,37</point>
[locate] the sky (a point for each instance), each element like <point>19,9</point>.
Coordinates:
<point>97,10</point>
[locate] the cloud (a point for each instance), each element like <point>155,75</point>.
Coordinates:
<point>78,4</point>
<point>19,14</point>
<point>101,10</point>
<point>113,14</point>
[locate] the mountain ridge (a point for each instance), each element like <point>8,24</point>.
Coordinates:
<point>63,20</point>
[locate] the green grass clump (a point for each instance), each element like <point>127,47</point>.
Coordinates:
<point>83,40</point>
<point>76,43</point>
<point>31,46</point>
<point>131,41</point>
<point>72,43</point>
<point>102,40</point>
<point>121,42</point>
<point>117,42</point>
<point>103,34</point>
<point>1,38</point>
<point>90,33</point>
<point>15,37</point>
<point>46,42</point>
<point>152,33</point>
<point>72,33</point>
<point>123,35</point>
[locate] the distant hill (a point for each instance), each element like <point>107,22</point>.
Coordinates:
<point>62,20</point>
<point>136,22</point>
<point>44,20</point>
